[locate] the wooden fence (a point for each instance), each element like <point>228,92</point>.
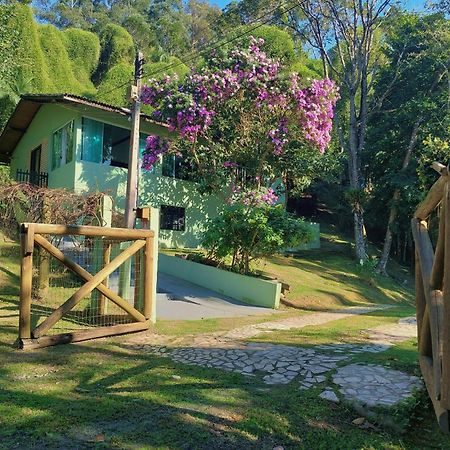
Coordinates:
<point>139,244</point>
<point>433,295</point>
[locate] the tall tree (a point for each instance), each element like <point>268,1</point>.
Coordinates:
<point>411,95</point>
<point>344,35</point>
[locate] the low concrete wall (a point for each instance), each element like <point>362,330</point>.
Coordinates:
<point>251,290</point>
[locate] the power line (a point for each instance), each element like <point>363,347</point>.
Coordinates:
<point>206,50</point>
<point>127,83</point>
<point>210,46</point>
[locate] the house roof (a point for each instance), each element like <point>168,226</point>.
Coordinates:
<point>28,107</point>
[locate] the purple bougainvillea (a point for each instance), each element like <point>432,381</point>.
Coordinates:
<point>240,106</point>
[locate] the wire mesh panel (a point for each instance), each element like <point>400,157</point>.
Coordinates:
<point>82,280</point>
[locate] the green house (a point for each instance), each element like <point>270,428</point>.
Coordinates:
<point>66,141</point>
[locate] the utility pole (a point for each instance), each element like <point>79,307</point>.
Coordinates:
<point>133,158</point>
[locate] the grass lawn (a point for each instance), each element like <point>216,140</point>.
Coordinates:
<point>105,394</point>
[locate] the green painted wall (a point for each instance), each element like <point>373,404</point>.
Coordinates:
<point>154,190</point>
<point>48,119</point>
<point>251,290</point>
<point>83,176</point>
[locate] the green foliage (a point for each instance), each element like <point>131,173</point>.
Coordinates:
<point>170,24</point>
<point>410,91</point>
<point>83,48</point>
<point>117,47</point>
<point>27,50</point>
<point>246,233</point>
<point>57,60</point>
<point>119,75</point>
<point>434,149</point>
<point>142,32</point>
<point>278,43</point>
<point>8,44</point>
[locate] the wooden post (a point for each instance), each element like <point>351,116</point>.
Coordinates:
<point>44,258</point>
<point>26,281</point>
<point>133,160</point>
<point>98,301</point>
<point>148,279</point>
<point>153,223</point>
<point>420,301</point>
<point>102,306</point>
<point>445,388</point>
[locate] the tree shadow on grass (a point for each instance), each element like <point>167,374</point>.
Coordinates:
<point>133,399</point>
<point>343,272</point>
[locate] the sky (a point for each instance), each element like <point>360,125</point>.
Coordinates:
<point>417,5</point>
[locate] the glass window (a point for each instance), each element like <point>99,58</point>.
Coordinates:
<point>172,218</point>
<point>92,140</point>
<point>175,166</point>
<point>107,144</point>
<point>116,146</point>
<point>62,146</point>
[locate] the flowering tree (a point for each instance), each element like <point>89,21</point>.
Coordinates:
<point>240,118</point>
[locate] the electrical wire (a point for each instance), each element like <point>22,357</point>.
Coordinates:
<point>210,47</point>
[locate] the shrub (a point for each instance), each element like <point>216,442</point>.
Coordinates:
<point>246,233</point>
<point>117,47</point>
<point>83,48</point>
<point>120,75</point>
<point>25,46</point>
<point>57,59</point>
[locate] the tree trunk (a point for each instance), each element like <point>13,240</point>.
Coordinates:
<point>355,183</point>
<point>381,267</point>
<point>360,243</point>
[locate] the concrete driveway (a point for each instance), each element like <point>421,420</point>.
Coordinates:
<point>180,300</point>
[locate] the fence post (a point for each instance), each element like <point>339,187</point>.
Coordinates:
<point>44,257</point>
<point>151,267</point>
<point>102,254</point>
<point>26,280</point>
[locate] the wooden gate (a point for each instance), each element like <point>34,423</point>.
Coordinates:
<point>131,315</point>
<point>433,295</point>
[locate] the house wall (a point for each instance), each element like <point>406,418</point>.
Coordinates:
<point>154,190</point>
<point>83,176</point>
<point>48,119</point>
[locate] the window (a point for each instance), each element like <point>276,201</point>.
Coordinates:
<point>107,144</point>
<point>175,166</point>
<point>116,146</point>
<point>172,218</point>
<point>62,146</point>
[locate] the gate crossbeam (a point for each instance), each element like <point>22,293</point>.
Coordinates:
<point>32,234</point>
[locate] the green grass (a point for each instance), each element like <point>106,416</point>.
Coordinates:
<point>329,278</point>
<point>107,391</point>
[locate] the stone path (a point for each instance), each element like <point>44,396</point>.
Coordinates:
<point>373,385</point>
<point>366,384</point>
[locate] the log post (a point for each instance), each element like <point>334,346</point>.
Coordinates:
<point>445,387</point>
<point>44,258</point>
<point>98,302</point>
<point>26,280</point>
<point>102,305</point>
<point>148,279</point>
<point>151,266</point>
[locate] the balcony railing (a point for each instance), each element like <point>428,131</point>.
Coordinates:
<point>36,178</point>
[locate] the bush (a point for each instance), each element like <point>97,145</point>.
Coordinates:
<point>246,233</point>
<point>117,47</point>
<point>83,48</point>
<point>24,45</point>
<point>108,91</point>
<point>57,59</point>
